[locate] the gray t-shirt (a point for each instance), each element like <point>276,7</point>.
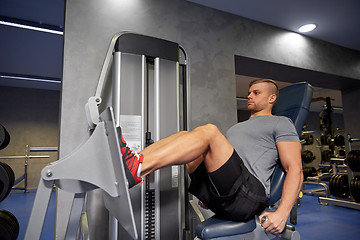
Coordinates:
<point>255,141</point>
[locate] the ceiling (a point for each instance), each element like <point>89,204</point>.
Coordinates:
<point>337,21</point>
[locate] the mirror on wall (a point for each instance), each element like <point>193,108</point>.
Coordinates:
<point>319,147</point>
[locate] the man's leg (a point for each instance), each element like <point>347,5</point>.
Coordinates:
<point>162,142</point>
<point>186,147</point>
<point>191,166</point>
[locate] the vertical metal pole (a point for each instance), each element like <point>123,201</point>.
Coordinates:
<point>26,166</point>
<point>180,190</point>
<point>116,77</point>
<point>157,138</point>
<point>188,112</point>
<point>349,141</point>
<point>143,100</point>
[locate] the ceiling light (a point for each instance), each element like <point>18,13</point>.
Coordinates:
<point>37,79</point>
<point>30,27</point>
<point>307,27</point>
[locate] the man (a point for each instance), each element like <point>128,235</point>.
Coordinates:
<point>230,175</point>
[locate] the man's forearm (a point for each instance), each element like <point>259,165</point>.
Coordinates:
<point>291,189</point>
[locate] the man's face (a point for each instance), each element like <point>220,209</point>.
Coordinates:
<point>259,97</point>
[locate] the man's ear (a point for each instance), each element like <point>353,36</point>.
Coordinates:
<point>272,98</point>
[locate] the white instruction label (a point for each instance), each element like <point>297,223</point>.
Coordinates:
<point>131,130</point>
<point>174,176</point>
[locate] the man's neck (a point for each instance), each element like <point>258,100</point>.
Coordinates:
<point>260,113</point>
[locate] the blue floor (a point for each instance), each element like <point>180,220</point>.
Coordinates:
<point>327,222</point>
<point>315,222</point>
<point>20,205</point>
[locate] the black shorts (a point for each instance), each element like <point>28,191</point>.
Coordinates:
<point>245,198</point>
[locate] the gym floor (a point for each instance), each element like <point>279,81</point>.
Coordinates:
<point>315,222</point>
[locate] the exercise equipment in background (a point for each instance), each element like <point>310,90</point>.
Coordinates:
<point>26,157</point>
<point>4,137</point>
<point>7,178</point>
<point>345,185</point>
<point>9,226</point>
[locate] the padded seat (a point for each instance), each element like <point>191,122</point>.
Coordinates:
<point>293,102</point>
<point>214,227</point>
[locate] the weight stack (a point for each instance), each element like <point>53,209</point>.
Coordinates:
<point>7,178</point>
<point>339,186</point>
<point>9,226</point>
<point>353,160</point>
<point>150,214</point>
<point>355,188</point>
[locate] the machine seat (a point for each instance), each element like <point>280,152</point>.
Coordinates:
<point>214,227</point>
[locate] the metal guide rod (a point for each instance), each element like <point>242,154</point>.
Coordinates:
<point>177,98</point>
<point>43,149</point>
<point>116,93</point>
<point>143,99</point>
<point>187,87</point>
<point>157,138</point>
<point>116,87</point>
<point>25,156</point>
<point>179,200</point>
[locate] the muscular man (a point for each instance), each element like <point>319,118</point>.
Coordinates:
<point>231,175</point>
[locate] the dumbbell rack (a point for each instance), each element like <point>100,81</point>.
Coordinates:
<point>26,158</point>
<point>318,180</point>
<point>348,203</point>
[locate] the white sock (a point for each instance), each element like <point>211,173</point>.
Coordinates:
<point>138,173</point>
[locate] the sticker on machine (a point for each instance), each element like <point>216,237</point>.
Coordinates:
<point>131,130</point>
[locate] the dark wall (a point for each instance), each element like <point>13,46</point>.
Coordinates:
<point>31,116</point>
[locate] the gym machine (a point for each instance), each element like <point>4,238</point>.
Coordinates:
<point>331,145</point>
<point>26,158</point>
<point>341,181</point>
<point>150,101</point>
<point>4,137</point>
<point>345,187</point>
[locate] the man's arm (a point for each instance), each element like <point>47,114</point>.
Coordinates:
<point>290,157</point>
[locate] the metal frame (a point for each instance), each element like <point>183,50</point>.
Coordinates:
<point>86,159</point>
<point>96,164</point>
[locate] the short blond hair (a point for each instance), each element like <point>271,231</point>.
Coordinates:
<point>266,80</point>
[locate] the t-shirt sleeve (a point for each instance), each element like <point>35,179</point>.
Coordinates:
<point>285,131</point>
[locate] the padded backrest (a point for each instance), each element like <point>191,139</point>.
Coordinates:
<point>293,102</point>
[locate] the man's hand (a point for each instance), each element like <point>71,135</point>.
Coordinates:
<point>274,222</point>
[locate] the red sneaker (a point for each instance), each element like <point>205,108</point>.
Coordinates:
<point>131,161</point>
